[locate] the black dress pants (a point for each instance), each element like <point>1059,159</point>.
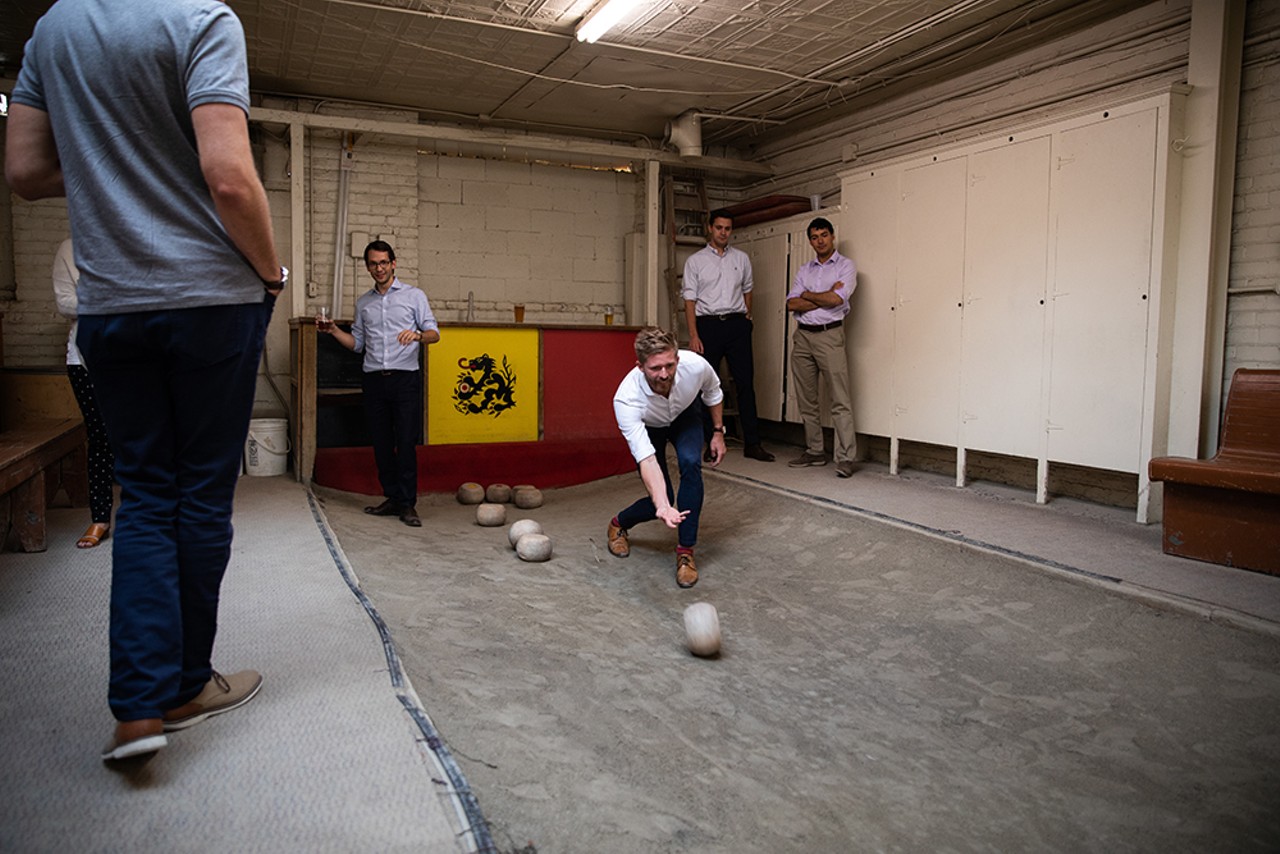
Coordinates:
<point>729,337</point>
<point>393,407</point>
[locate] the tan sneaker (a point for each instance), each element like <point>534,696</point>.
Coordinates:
<point>135,739</point>
<point>619,545</point>
<point>222,694</point>
<point>686,570</point>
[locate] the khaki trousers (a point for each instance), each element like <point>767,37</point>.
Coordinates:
<point>817,355</point>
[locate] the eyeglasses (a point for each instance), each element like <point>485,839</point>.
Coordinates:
<point>378,264</point>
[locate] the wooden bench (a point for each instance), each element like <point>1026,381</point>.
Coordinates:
<point>35,461</point>
<point>1226,510</point>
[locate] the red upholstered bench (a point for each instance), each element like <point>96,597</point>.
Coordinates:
<point>1226,510</point>
<point>35,460</point>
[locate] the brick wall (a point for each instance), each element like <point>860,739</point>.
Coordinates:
<point>548,237</point>
<point>1253,318</point>
<point>35,335</point>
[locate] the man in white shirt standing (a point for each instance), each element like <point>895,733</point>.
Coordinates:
<point>716,288</point>
<point>820,300</point>
<point>660,402</point>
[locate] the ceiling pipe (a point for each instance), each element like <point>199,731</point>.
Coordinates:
<point>685,133</point>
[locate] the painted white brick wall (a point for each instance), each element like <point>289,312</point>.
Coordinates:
<point>35,335</point>
<point>548,237</point>
<point>1253,319</point>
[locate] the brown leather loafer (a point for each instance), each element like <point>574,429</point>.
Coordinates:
<point>386,508</point>
<point>619,545</point>
<point>410,518</point>
<point>686,570</point>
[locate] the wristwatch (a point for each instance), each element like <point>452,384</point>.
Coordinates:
<point>277,285</point>
<point>719,429</point>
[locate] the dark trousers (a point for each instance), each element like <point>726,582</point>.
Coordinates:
<point>176,391</point>
<point>730,338</point>
<point>685,435</point>
<point>102,463</point>
<point>393,407</point>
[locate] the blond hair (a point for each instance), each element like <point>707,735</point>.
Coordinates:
<point>651,341</point>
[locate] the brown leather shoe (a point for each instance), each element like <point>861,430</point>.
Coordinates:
<point>757,452</point>
<point>386,508</point>
<point>619,545</point>
<point>686,570</point>
<point>410,518</point>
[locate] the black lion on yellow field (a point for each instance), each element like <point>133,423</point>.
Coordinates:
<point>483,387</point>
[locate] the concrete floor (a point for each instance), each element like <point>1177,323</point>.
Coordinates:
<point>906,666</point>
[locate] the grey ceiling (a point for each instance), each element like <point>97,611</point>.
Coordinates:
<point>755,68</point>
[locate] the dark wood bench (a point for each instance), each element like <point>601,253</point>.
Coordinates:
<point>36,460</point>
<point>1226,509</point>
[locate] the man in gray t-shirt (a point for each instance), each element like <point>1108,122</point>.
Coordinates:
<point>136,111</point>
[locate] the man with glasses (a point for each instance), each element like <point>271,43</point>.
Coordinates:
<point>392,321</point>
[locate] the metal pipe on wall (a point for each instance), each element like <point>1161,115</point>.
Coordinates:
<point>346,159</point>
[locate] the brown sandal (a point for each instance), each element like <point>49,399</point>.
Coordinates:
<point>96,533</point>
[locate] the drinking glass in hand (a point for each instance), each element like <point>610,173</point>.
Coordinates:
<point>323,323</point>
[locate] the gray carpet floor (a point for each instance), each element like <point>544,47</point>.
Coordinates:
<point>332,755</point>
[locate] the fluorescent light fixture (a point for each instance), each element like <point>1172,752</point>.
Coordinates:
<point>603,18</point>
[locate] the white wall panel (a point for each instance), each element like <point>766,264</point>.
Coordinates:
<point>926,363</point>
<point>1007,226</point>
<point>769,308</point>
<point>869,236</point>
<point>1103,191</point>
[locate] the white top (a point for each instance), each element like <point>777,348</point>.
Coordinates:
<point>717,282</point>
<point>65,279</point>
<point>636,405</point>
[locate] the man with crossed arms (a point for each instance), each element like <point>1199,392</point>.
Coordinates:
<point>820,299</point>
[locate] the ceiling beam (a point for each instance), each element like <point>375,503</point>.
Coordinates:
<point>559,149</point>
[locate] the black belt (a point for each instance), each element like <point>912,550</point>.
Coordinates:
<point>821,327</point>
<point>732,316</point>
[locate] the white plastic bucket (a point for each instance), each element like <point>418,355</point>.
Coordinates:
<point>266,451</point>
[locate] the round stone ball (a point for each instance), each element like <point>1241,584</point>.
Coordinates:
<point>527,498</point>
<point>497,493</point>
<point>702,629</point>
<point>470,493</point>
<point>534,547</point>
<point>491,515</point>
<point>522,527</point>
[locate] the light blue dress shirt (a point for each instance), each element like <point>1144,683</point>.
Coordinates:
<point>382,317</point>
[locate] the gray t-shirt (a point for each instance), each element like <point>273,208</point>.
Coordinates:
<point>119,79</point>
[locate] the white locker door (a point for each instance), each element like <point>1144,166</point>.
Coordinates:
<point>769,316</point>
<point>869,236</point>
<point>1006,261</point>
<point>1103,201</point>
<point>926,365</point>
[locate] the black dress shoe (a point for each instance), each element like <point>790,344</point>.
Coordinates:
<point>757,452</point>
<point>386,508</point>
<point>410,518</point>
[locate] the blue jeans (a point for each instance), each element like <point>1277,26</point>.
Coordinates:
<point>685,435</point>
<point>176,391</point>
